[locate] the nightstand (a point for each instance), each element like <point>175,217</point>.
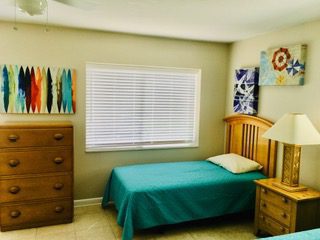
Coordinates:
<point>279,212</point>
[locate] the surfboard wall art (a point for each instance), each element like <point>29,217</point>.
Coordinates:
<point>36,90</point>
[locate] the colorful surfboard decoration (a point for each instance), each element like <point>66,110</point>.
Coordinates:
<point>37,90</point>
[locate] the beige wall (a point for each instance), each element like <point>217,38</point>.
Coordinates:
<point>274,101</point>
<point>30,45</point>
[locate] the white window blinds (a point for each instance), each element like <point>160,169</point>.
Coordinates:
<point>136,107</point>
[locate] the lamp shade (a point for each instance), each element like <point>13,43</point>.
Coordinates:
<point>294,128</point>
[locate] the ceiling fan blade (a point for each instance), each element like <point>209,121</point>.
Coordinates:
<point>32,7</point>
<point>82,4</point>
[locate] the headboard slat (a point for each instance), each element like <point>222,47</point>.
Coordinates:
<point>244,137</point>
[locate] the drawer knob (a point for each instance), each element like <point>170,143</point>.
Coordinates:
<point>13,138</point>
<point>284,200</point>
<point>14,162</point>
<point>15,214</point>
<point>282,229</point>
<point>58,186</point>
<point>284,215</point>
<point>264,190</point>
<point>58,160</point>
<point>14,189</point>
<point>58,209</point>
<point>58,136</point>
<point>264,205</point>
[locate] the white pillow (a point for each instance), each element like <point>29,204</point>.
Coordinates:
<point>235,163</point>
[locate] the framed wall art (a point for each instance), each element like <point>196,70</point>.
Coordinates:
<point>37,90</point>
<point>246,90</point>
<point>283,66</point>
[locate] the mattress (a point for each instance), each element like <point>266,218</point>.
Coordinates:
<point>304,235</point>
<point>150,195</point>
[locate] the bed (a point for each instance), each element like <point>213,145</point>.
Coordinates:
<point>149,195</point>
<point>313,234</point>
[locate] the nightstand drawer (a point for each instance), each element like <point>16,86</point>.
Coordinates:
<point>277,213</point>
<point>35,214</point>
<point>12,138</point>
<point>22,189</point>
<point>42,160</point>
<point>271,226</point>
<point>276,199</point>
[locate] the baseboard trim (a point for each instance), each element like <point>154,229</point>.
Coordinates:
<point>87,202</point>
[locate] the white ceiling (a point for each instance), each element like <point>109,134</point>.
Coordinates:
<point>211,20</point>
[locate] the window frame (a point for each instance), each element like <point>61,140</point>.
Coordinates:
<point>197,92</point>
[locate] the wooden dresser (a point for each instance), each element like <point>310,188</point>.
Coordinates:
<point>279,212</point>
<point>36,174</point>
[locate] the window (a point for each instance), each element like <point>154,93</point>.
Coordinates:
<point>138,107</point>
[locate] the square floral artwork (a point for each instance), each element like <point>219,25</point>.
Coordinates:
<point>283,65</point>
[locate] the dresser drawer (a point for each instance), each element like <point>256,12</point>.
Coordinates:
<point>271,226</point>
<point>35,137</point>
<point>35,187</point>
<point>275,198</point>
<point>35,214</point>
<point>273,211</point>
<point>36,161</point>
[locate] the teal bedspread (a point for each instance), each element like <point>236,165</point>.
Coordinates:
<point>150,195</point>
<point>304,235</point>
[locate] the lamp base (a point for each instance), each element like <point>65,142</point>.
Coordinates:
<point>288,188</point>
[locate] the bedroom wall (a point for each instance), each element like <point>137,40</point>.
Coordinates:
<point>30,45</point>
<point>274,101</point>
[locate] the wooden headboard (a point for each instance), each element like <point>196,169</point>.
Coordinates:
<point>244,137</point>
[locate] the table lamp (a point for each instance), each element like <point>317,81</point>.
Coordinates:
<point>293,130</point>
